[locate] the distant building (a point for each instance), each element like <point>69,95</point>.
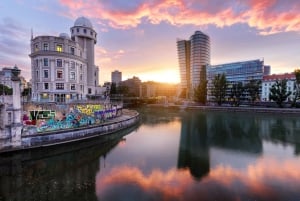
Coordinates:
<point>269,80</point>
<point>133,84</point>
<point>62,67</point>
<point>193,57</point>
<point>116,77</point>
<point>243,71</point>
<point>155,89</point>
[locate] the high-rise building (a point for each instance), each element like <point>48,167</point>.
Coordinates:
<point>200,57</point>
<point>193,57</point>
<point>184,54</point>
<point>63,68</point>
<point>116,77</point>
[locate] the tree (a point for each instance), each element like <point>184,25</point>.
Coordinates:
<point>200,92</point>
<point>5,90</point>
<point>236,92</point>
<point>122,89</point>
<point>253,89</point>
<point>296,87</point>
<point>113,88</point>
<point>219,88</point>
<point>278,92</point>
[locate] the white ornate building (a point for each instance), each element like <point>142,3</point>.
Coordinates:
<point>63,68</point>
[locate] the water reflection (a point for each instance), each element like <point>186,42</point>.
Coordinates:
<point>220,157</point>
<point>64,172</point>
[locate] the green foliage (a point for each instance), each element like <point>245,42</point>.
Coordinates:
<point>122,90</point>
<point>5,90</point>
<point>278,92</point>
<point>253,89</point>
<point>26,92</point>
<point>296,87</point>
<point>219,88</point>
<point>200,92</point>
<point>113,88</point>
<point>236,91</point>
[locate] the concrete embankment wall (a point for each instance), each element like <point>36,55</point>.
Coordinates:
<point>69,135</point>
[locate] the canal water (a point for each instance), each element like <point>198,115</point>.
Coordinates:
<point>172,155</point>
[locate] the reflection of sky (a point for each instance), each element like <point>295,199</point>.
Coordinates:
<point>144,168</point>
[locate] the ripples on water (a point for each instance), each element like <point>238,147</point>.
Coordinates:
<point>172,155</point>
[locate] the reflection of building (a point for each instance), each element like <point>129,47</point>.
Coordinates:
<point>116,77</point>
<point>63,67</point>
<point>235,72</point>
<point>193,149</point>
<point>269,80</point>
<point>193,57</point>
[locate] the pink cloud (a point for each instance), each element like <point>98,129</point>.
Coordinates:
<point>268,16</point>
<point>268,179</point>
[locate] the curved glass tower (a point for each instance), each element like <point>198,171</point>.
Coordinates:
<point>200,57</point>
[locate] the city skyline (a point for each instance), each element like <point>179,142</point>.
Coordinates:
<point>139,37</point>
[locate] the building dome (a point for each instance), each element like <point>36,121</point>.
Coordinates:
<point>64,35</point>
<point>83,22</point>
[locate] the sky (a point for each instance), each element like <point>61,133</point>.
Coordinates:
<point>138,37</point>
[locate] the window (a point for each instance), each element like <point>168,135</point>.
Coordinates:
<point>46,47</point>
<point>46,62</point>
<point>81,87</point>
<point>37,74</point>
<point>84,31</point>
<point>46,73</point>
<point>59,63</point>
<point>80,66</point>
<point>89,90</point>
<point>36,47</point>
<point>46,86</point>
<point>72,30</point>
<point>72,75</point>
<point>59,74</point>
<point>91,33</point>
<point>59,86</point>
<point>37,63</point>
<point>72,65</point>
<point>73,87</point>
<point>72,50</point>
<point>77,30</point>
<point>9,117</point>
<point>80,77</point>
<point>59,48</point>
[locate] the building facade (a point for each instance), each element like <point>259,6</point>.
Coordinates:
<point>269,80</point>
<point>236,72</point>
<point>116,77</point>
<point>193,57</point>
<point>184,55</point>
<point>62,67</point>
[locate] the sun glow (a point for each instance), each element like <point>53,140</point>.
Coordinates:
<point>166,76</point>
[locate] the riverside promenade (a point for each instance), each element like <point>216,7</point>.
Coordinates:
<point>245,109</point>
<point>50,138</point>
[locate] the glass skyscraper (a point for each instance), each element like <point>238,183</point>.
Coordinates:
<point>193,57</point>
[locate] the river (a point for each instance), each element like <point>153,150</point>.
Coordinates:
<point>170,155</point>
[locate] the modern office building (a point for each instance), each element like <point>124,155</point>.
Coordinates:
<point>243,71</point>
<point>116,77</point>
<point>184,54</point>
<point>269,80</point>
<point>193,57</point>
<point>63,68</point>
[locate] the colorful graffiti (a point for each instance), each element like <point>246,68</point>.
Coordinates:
<point>77,116</point>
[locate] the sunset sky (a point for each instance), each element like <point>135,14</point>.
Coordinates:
<point>138,37</point>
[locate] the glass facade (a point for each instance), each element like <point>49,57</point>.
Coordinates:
<point>183,51</point>
<point>243,72</point>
